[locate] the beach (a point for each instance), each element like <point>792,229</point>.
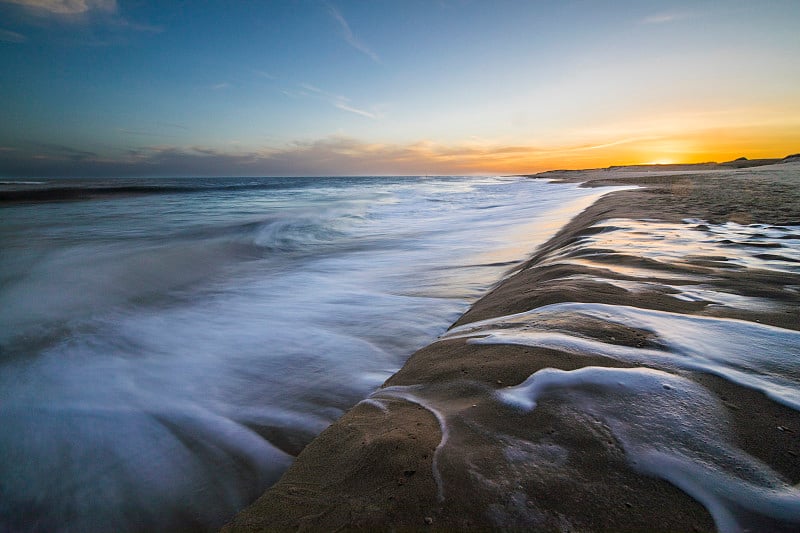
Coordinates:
<point>640,372</point>
<point>449,265</point>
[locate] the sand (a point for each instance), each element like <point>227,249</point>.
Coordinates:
<point>436,449</point>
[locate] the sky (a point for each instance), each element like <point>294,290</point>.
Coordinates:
<point>406,87</point>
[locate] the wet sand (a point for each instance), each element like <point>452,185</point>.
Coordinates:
<point>635,434</point>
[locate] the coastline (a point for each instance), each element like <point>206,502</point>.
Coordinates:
<point>423,451</point>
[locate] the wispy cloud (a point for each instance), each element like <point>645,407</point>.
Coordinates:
<point>66,7</point>
<point>8,36</point>
<point>98,12</point>
<point>136,26</point>
<point>345,107</point>
<point>63,151</point>
<point>262,74</point>
<point>336,155</point>
<point>708,136</point>
<point>329,156</point>
<point>172,125</point>
<point>665,18</point>
<point>350,37</point>
<point>619,142</point>
<point>339,155</point>
<point>146,133</point>
<point>336,100</point>
<point>221,86</point>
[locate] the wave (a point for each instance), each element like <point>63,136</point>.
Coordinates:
<point>56,194</point>
<point>167,356</point>
<point>73,190</point>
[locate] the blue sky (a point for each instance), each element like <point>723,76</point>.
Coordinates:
<point>104,87</point>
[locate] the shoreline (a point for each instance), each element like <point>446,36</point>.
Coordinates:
<point>416,454</point>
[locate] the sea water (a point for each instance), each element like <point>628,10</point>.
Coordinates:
<point>168,346</point>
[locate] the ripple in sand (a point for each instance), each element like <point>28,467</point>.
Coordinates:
<point>665,246</point>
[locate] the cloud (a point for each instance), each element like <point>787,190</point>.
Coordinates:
<point>136,26</point>
<point>345,107</point>
<point>262,74</point>
<point>336,100</point>
<point>68,152</point>
<point>335,155</point>
<point>349,36</point>
<point>98,12</point>
<point>8,36</point>
<point>341,155</point>
<point>66,7</point>
<point>221,86</point>
<point>145,133</point>
<point>172,125</point>
<point>316,90</point>
<point>664,18</point>
<point>616,143</point>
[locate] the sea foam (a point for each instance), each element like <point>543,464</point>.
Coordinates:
<point>166,349</point>
<point>672,428</point>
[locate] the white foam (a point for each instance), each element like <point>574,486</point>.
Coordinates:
<point>669,426</point>
<point>690,293</point>
<point>716,298</point>
<point>409,394</point>
<point>721,246</point>
<point>156,460</point>
<point>376,403</point>
<point>672,428</point>
<point>276,309</point>
<point>758,356</point>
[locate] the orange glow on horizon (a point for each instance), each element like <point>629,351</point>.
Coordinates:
<point>673,138</point>
<point>712,145</point>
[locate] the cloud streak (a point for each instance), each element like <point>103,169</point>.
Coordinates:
<point>62,152</point>
<point>349,36</point>
<point>8,36</point>
<point>340,155</point>
<point>363,113</point>
<point>66,7</point>
<point>664,18</point>
<point>98,12</point>
<point>336,155</point>
<point>330,156</point>
<point>336,100</point>
<point>262,74</point>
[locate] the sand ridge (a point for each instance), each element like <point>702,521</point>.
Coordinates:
<point>437,447</point>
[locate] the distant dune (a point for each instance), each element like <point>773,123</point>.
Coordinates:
<point>741,162</point>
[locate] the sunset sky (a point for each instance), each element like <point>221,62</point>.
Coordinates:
<point>313,87</point>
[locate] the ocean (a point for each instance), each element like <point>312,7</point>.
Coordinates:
<point>167,346</point>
